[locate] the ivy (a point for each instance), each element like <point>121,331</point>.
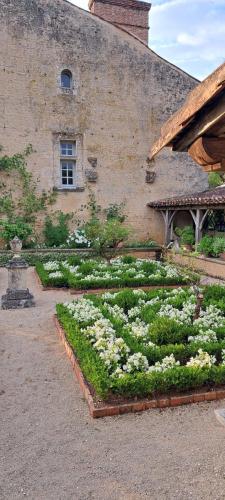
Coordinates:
<point>19,196</point>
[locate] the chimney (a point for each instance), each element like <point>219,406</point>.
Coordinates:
<point>132,15</point>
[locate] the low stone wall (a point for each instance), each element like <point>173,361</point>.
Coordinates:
<point>211,267</point>
<point>33,254</point>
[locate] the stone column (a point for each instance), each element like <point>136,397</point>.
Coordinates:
<point>17,294</point>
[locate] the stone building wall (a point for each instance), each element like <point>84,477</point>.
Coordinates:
<point>122,94</point>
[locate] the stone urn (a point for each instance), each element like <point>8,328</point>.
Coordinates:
<point>17,294</point>
<point>16,246</point>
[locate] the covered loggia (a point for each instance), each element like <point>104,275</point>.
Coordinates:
<point>199,205</point>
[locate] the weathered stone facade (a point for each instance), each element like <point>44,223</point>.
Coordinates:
<point>122,93</point>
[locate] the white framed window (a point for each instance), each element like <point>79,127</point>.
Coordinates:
<point>67,148</point>
<point>68,164</point>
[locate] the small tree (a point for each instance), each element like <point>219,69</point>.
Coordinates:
<point>106,237</point>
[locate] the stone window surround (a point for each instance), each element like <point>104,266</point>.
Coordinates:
<point>64,90</point>
<point>79,177</point>
<point>68,74</point>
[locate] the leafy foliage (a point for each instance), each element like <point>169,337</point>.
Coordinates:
<point>20,201</point>
<point>215,179</point>
<point>187,235</point>
<point>93,274</point>
<point>212,246</point>
<point>115,211</point>
<point>170,338</point>
<point>105,237</point>
<point>19,228</point>
<point>56,229</point>
<point>218,246</point>
<point>205,245</point>
<point>92,366</point>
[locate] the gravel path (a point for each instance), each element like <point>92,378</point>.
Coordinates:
<point>52,449</point>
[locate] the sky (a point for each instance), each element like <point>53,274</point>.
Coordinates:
<point>188,33</point>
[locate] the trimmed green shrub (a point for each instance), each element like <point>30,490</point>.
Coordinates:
<point>169,336</point>
<point>56,231</point>
<point>187,235</point>
<point>205,246</point>
<point>218,246</point>
<point>167,331</point>
<point>91,364</point>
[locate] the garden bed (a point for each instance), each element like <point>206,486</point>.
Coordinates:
<point>126,271</point>
<point>135,350</point>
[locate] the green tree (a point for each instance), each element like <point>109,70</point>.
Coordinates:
<point>105,237</point>
<point>215,179</point>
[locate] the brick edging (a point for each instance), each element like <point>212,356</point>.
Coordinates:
<point>133,406</point>
<point>47,288</point>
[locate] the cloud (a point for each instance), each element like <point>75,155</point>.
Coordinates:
<point>187,39</point>
<point>189,33</point>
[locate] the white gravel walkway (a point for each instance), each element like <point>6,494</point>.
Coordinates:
<point>51,449</point>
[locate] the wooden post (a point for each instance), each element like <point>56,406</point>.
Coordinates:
<point>165,215</point>
<point>197,227</point>
<point>171,229</point>
<point>197,222</point>
<point>168,220</point>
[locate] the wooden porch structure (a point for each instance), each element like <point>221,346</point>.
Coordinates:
<point>198,216</point>
<point>199,125</point>
<point>197,204</point>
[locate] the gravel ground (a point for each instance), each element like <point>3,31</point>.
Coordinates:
<point>52,449</point>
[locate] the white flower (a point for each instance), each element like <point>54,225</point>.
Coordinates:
<point>51,266</point>
<point>139,329</point>
<point>166,364</point>
<point>134,312</point>
<point>136,362</point>
<point>201,360</point>
<point>116,312</point>
<point>204,336</point>
<point>83,310</point>
<point>56,274</point>
<point>211,317</point>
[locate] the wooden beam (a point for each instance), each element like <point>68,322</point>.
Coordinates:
<point>208,150</point>
<point>206,120</point>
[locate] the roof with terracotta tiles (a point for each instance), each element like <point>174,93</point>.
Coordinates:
<point>211,197</point>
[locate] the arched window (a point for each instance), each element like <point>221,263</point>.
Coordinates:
<point>66,79</point>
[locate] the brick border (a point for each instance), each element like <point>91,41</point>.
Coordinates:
<point>134,406</point>
<point>48,288</point>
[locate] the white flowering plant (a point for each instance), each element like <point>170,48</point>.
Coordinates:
<point>123,271</point>
<point>78,239</point>
<point>143,343</point>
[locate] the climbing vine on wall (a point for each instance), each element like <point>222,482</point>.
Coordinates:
<point>20,199</point>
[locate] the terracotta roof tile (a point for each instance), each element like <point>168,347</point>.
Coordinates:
<point>211,197</point>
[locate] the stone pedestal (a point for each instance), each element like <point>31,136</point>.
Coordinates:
<point>17,294</point>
